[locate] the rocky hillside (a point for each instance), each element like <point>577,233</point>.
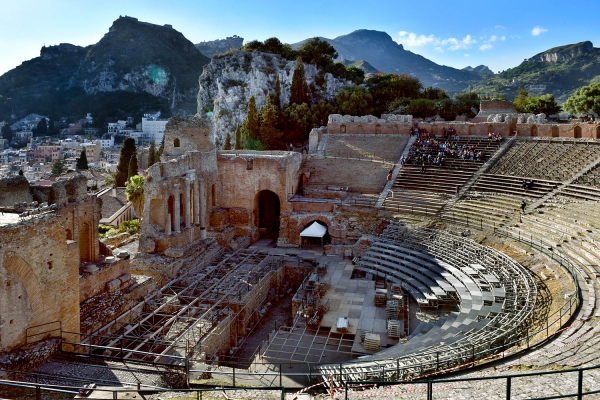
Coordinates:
<point>135,65</point>
<point>480,69</point>
<point>228,81</point>
<point>212,47</point>
<point>380,51</point>
<point>560,71</point>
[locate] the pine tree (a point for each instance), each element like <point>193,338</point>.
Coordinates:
<point>270,136</point>
<point>152,154</point>
<point>82,162</point>
<point>122,172</point>
<point>227,144</point>
<point>299,89</point>
<point>251,125</point>
<point>239,141</point>
<point>132,169</point>
<point>58,167</point>
<point>277,97</point>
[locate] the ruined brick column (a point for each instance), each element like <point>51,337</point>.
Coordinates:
<point>202,210</point>
<point>169,216</point>
<point>177,208</point>
<point>188,205</point>
<point>196,202</point>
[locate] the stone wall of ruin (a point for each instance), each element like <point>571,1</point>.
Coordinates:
<point>186,134</point>
<point>40,259</point>
<point>14,190</point>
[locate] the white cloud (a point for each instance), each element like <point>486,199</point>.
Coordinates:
<point>467,55</point>
<point>411,39</point>
<point>538,30</point>
<point>485,47</point>
<point>414,40</point>
<point>499,27</point>
<point>503,38</point>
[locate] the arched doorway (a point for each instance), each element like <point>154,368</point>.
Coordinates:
<point>598,132</point>
<point>554,131</point>
<point>268,209</point>
<point>85,247</point>
<point>533,130</point>
<point>577,132</point>
<point>312,240</point>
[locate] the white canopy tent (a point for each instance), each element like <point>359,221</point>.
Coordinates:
<point>314,230</point>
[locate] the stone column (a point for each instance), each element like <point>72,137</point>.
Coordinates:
<point>188,205</point>
<point>196,202</point>
<point>168,226</point>
<point>177,208</point>
<point>202,210</point>
<point>165,192</point>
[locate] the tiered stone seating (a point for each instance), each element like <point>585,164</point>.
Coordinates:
<point>426,193</point>
<point>496,296</point>
<point>387,148</point>
<point>546,159</point>
<point>572,229</point>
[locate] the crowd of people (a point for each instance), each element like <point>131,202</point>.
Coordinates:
<point>428,149</point>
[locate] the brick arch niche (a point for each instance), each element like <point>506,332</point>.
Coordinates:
<point>533,130</point>
<point>267,210</point>
<point>597,133</point>
<point>577,132</point>
<point>314,242</point>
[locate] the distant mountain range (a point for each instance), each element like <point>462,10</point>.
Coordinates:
<point>380,51</point>
<point>135,67</point>
<point>138,67</point>
<point>560,71</point>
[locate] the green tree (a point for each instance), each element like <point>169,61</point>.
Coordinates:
<point>82,162</point>
<point>270,136</point>
<point>132,168</point>
<point>354,100</point>
<point>152,154</point>
<point>277,96</point>
<point>421,108</point>
<point>321,110</point>
<point>110,180</point>
<point>251,125</point>
<point>584,100</point>
<point>227,144</point>
<point>318,52</point>
<point>239,141</point>
<point>58,168</point>
<point>127,151</point>
<point>7,132</point>
<point>253,144</point>
<point>135,194</point>
<point>298,121</point>
<point>388,88</point>
<point>299,88</point>
<point>520,101</point>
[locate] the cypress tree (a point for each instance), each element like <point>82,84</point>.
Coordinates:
<point>227,144</point>
<point>152,154</point>
<point>277,97</point>
<point>269,134</point>
<point>122,172</point>
<point>299,89</point>
<point>239,141</point>
<point>82,162</point>
<point>160,149</point>
<point>251,125</point>
<point>132,169</point>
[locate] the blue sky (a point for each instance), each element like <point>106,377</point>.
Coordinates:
<point>499,34</point>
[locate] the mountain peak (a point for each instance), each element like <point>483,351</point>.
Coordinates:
<point>365,36</point>
<point>564,53</point>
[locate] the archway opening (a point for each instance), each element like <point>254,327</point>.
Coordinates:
<point>577,132</point>
<point>268,211</point>
<point>176,142</point>
<point>171,211</point>
<point>533,131</point>
<point>314,238</point>
<point>85,251</point>
<point>598,132</point>
<point>343,129</point>
<point>555,131</point>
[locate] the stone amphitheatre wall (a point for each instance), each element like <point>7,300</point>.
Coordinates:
<point>14,190</point>
<point>494,122</point>
<point>39,266</point>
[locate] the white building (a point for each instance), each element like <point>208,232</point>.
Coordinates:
<point>153,127</point>
<point>106,143</point>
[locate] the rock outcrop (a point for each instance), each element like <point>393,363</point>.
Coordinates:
<point>227,83</point>
<point>220,46</point>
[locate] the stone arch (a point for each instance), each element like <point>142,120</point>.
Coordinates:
<point>157,212</point>
<point>85,243</point>
<point>577,131</point>
<point>33,313</point>
<point>176,142</point>
<point>490,128</point>
<point>317,242</point>
<point>342,128</point>
<point>554,131</point>
<point>69,234</point>
<point>377,129</point>
<point>267,210</point>
<point>533,130</point>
